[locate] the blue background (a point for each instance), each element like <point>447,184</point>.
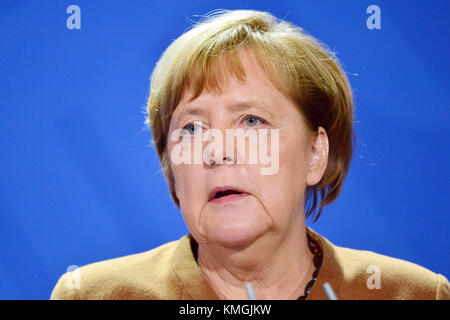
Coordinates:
<point>80,182</point>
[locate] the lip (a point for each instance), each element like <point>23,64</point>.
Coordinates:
<point>228,198</point>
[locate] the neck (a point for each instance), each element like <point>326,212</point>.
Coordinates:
<point>277,265</point>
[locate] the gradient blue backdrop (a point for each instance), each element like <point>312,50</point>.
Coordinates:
<point>80,182</point>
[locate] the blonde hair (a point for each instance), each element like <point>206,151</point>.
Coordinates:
<point>301,67</point>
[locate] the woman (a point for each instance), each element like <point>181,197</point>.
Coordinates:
<point>243,74</point>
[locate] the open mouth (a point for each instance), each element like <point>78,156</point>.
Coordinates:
<point>224,194</point>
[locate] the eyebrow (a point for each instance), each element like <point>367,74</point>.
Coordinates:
<point>241,105</point>
<point>251,104</point>
<point>194,111</point>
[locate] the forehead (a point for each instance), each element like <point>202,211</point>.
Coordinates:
<point>243,85</point>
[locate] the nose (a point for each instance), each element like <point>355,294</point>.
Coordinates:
<point>219,148</point>
<point>212,161</point>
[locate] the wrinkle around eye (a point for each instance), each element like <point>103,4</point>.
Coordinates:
<point>261,122</point>
<point>194,124</point>
<point>255,117</point>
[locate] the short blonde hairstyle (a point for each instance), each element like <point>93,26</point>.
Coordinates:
<point>299,65</point>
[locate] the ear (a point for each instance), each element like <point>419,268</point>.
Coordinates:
<point>318,158</point>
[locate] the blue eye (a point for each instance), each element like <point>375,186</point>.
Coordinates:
<point>252,120</point>
<point>192,128</point>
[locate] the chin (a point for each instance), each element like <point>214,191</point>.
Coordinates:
<point>237,231</point>
<point>234,237</point>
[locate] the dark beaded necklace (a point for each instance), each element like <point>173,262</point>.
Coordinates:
<point>317,260</point>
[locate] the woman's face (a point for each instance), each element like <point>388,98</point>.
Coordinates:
<point>232,203</point>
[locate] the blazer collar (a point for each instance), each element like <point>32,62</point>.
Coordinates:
<point>331,270</point>
<point>195,287</point>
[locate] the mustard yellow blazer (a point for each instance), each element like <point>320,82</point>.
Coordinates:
<point>171,272</point>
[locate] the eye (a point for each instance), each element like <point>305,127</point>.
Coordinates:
<point>193,127</point>
<point>252,120</point>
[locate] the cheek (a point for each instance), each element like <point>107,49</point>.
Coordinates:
<point>294,154</point>
<point>293,164</point>
<point>190,188</point>
<point>181,171</point>
<point>188,182</point>
<point>284,191</point>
